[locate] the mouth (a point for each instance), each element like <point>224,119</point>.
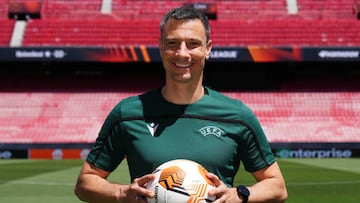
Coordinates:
<point>183,65</point>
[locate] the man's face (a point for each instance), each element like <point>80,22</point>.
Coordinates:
<point>184,50</point>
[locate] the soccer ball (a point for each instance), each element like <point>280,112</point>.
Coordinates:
<point>180,181</point>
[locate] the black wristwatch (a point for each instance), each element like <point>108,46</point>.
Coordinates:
<point>243,192</point>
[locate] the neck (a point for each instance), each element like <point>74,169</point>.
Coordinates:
<point>182,94</point>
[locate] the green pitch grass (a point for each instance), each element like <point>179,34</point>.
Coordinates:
<point>308,180</point>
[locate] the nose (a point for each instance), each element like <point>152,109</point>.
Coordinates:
<point>183,50</point>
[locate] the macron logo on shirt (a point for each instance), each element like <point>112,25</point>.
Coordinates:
<point>152,128</point>
<point>211,130</point>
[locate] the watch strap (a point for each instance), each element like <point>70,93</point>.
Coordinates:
<point>244,192</point>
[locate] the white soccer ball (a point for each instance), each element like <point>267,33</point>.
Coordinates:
<point>180,181</point>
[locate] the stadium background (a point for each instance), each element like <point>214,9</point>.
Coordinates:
<point>64,64</point>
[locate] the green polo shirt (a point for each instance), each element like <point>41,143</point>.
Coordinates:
<point>217,131</point>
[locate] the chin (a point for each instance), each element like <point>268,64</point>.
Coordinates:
<point>182,78</point>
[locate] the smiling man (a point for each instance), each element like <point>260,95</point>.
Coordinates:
<point>182,119</point>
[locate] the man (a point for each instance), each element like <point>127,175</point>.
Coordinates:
<point>182,119</point>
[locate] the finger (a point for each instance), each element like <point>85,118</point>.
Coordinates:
<point>142,181</point>
<point>142,191</point>
<point>214,178</point>
<point>220,187</point>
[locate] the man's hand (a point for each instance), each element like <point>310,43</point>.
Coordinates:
<point>223,193</point>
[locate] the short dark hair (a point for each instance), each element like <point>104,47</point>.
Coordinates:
<point>186,12</point>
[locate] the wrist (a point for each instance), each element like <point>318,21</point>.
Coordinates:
<point>243,193</point>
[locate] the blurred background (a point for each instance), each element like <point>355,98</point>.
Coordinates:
<point>65,63</point>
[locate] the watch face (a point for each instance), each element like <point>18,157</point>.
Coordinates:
<point>243,191</point>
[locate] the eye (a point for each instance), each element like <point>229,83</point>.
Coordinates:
<point>171,43</point>
<point>193,44</point>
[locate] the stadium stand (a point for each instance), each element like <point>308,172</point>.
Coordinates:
<point>290,114</point>
<point>50,117</point>
<point>103,32</point>
<point>84,9</point>
<point>327,9</point>
<point>99,32</point>
<point>3,9</point>
<point>69,108</point>
<point>6,30</point>
<point>238,23</point>
<point>298,32</point>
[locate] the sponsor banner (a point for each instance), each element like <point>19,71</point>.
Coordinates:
<point>13,153</point>
<point>331,54</point>
<point>316,153</point>
<point>77,54</point>
<point>58,153</point>
<point>151,54</point>
<point>280,152</point>
<point>285,54</point>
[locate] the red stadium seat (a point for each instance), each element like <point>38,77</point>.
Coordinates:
<point>239,23</point>
<point>69,117</point>
<point>6,30</point>
<point>73,117</point>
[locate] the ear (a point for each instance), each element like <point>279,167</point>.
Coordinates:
<point>208,49</point>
